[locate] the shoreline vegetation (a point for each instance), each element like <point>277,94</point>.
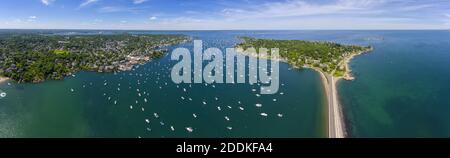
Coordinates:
<point>330,60</point>
<point>34,57</point>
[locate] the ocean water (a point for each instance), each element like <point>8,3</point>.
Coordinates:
<point>146,103</point>
<point>401,90</point>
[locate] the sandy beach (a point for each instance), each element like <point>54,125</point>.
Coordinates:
<point>336,124</point>
<point>336,127</point>
<point>348,72</point>
<point>3,79</point>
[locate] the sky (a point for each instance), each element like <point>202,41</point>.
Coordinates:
<point>225,14</point>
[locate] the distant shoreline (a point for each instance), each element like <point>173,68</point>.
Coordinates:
<point>348,72</point>
<point>41,57</point>
<point>260,29</point>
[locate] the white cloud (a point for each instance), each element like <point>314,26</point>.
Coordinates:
<point>32,18</point>
<point>285,14</point>
<point>307,14</point>
<point>415,7</point>
<point>325,23</point>
<point>110,9</point>
<point>114,9</point>
<point>17,20</point>
<point>87,2</point>
<point>47,2</point>
<point>139,1</point>
<point>302,8</point>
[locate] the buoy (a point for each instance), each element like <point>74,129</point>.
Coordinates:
<point>189,129</point>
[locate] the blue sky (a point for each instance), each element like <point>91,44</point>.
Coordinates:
<point>225,14</point>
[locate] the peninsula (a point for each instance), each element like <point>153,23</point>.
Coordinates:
<point>328,58</point>
<point>35,57</point>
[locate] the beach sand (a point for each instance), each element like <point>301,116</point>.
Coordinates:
<point>348,72</point>
<point>336,124</point>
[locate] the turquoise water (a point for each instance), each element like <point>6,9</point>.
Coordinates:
<point>401,90</point>
<point>100,104</point>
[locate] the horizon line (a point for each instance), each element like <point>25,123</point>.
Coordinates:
<point>97,29</point>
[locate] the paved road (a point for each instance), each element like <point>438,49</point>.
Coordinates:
<point>335,124</point>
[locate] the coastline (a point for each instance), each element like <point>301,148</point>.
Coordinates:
<point>3,79</point>
<point>336,126</point>
<point>348,72</point>
<point>336,123</point>
<point>101,53</point>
